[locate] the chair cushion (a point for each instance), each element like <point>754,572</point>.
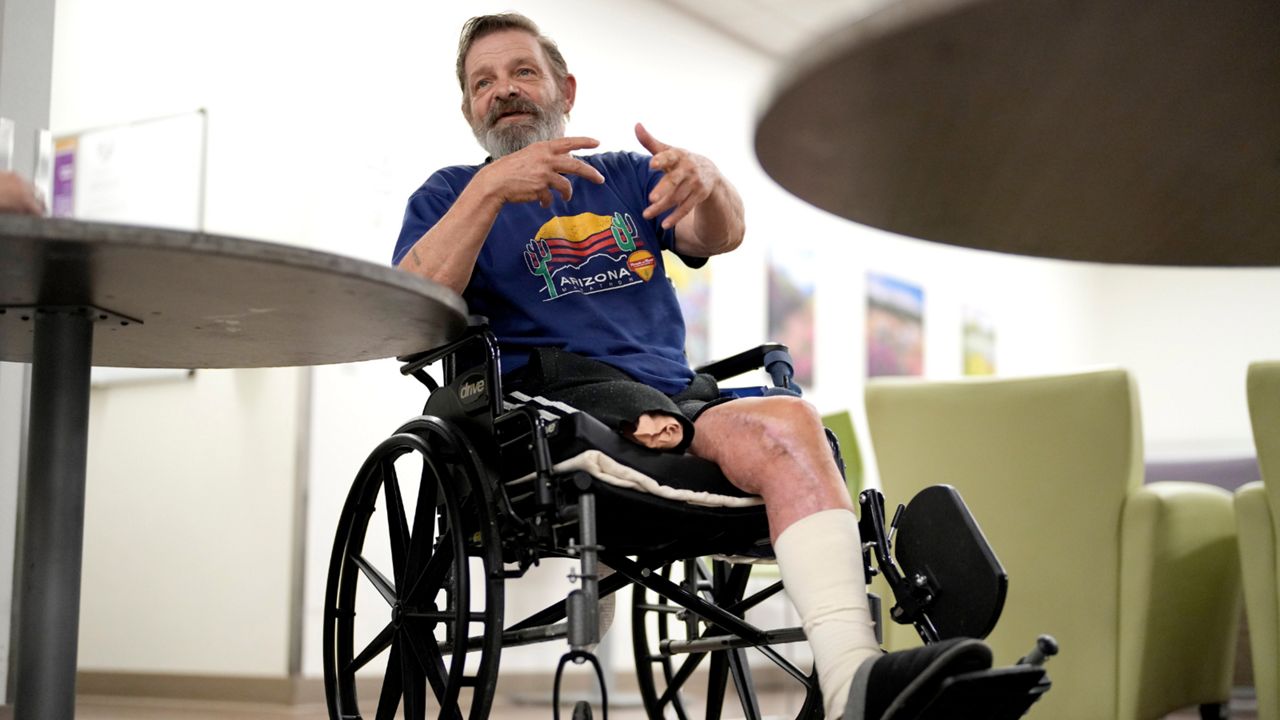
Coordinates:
<point>580,442</point>
<point>648,501</point>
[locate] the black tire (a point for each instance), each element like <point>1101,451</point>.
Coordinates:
<point>437,510</point>
<point>697,685</point>
<point>582,710</point>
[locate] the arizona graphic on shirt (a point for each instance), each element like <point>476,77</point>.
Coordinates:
<point>588,253</point>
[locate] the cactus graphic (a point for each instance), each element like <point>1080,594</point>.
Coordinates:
<point>624,232</point>
<point>537,256</point>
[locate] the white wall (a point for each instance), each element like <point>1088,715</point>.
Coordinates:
<point>14,378</point>
<point>1189,336</point>
<point>189,524</point>
<point>323,118</point>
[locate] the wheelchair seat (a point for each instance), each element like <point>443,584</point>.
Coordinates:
<point>482,486</point>
<point>637,489</point>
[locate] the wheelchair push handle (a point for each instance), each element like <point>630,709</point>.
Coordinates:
<point>780,368</point>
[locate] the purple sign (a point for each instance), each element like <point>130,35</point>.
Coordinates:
<point>64,181</point>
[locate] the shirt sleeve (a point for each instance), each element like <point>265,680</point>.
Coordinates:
<point>425,208</point>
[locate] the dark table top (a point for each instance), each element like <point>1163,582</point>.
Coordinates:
<point>193,300</point>
<point>1124,131</point>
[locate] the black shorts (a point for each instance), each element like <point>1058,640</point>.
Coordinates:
<point>609,394</point>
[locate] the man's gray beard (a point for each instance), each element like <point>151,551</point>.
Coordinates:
<point>499,140</point>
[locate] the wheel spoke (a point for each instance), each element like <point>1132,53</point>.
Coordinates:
<point>375,648</point>
<point>415,690</point>
<point>431,662</point>
<point>422,543</point>
<point>389,700</point>
<point>743,682</point>
<point>384,586</point>
<point>682,675</point>
<point>431,579</point>
<point>397,524</point>
<point>716,685</point>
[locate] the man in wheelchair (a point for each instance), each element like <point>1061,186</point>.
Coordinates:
<point>562,254</point>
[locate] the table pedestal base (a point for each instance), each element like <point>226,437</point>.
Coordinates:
<point>51,519</point>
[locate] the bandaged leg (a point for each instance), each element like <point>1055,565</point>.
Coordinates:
<point>820,557</point>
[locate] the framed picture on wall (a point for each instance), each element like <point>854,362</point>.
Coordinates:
<point>792,271</point>
<point>895,327</point>
<point>979,343</point>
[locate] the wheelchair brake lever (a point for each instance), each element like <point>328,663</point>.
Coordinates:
<point>872,529</point>
<point>893,524</point>
<point>1046,647</point>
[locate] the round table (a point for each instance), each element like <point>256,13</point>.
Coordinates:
<point>1118,131</point>
<point>78,294</point>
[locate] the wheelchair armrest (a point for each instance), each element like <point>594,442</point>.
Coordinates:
<point>775,358</point>
<point>472,369</point>
<point>477,326</point>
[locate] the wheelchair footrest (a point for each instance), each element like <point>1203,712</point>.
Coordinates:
<point>996,694</point>
<point>941,549</point>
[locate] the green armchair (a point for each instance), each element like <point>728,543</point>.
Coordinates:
<point>1139,584</point>
<point>1259,525</point>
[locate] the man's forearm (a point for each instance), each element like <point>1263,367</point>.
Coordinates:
<point>716,225</point>
<point>447,253</point>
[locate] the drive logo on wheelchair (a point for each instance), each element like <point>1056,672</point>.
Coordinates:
<point>472,391</point>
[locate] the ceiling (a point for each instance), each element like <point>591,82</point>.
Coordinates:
<point>775,28</point>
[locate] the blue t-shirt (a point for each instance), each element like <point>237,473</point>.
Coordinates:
<point>585,276</point>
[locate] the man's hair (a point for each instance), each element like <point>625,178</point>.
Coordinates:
<point>478,27</point>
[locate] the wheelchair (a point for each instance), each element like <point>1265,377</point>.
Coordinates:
<point>481,487</point>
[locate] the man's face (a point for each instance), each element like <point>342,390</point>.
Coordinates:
<point>513,98</point>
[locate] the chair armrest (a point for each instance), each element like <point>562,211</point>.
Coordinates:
<point>1254,524</point>
<point>773,357</point>
<point>1180,598</point>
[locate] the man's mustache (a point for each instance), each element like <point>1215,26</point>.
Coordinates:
<point>503,106</point>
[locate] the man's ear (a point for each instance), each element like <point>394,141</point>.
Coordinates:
<point>570,91</point>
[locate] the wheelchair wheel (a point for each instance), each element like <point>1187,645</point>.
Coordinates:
<point>413,604</point>
<point>697,684</point>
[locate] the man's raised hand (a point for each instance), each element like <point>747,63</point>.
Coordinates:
<point>532,173</point>
<point>19,196</point>
<point>690,179</point>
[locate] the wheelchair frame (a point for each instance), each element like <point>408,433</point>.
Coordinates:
<point>463,512</point>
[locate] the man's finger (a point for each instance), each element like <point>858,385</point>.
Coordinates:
<point>660,206</point>
<point>650,143</point>
<point>675,217</point>
<point>666,160</point>
<point>544,198</point>
<point>562,185</point>
<point>685,199</point>
<point>574,166</point>
<point>663,188</point>
<point>567,144</point>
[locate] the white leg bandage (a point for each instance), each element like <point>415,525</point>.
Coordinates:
<point>820,557</point>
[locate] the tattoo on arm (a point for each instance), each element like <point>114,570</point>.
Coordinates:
<point>413,253</point>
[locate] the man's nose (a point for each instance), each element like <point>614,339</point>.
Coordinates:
<point>511,90</point>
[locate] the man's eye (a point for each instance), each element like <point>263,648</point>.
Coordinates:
<point>481,84</point>
<point>525,71</point>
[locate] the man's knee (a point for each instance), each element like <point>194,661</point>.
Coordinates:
<point>787,421</point>
<point>769,427</point>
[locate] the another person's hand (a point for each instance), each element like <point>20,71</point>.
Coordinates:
<point>690,178</point>
<point>18,196</point>
<point>532,173</point>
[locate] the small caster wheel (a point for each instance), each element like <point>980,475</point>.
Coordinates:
<point>582,710</point>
